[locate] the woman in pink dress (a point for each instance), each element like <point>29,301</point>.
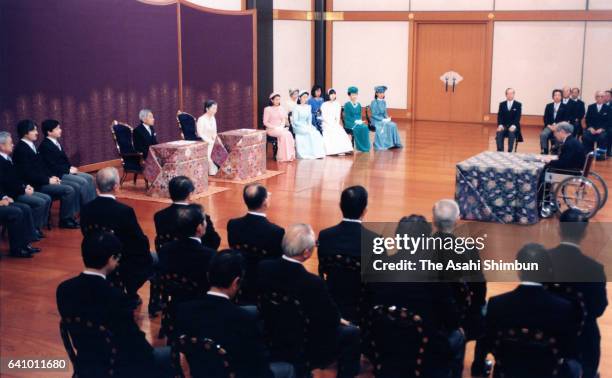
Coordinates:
<point>276,122</point>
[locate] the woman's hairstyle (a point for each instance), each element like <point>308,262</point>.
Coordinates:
<point>299,100</point>
<point>331,91</point>
<point>208,104</point>
<point>376,95</point>
<point>314,90</point>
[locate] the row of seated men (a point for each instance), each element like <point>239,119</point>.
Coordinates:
<point>31,177</point>
<point>265,267</point>
<point>594,126</point>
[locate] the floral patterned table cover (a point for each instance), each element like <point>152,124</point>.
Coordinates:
<point>171,159</point>
<point>500,187</point>
<point>246,154</point>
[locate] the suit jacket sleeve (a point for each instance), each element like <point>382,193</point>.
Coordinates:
<point>516,119</point>
<point>140,239</point>
<point>499,112</point>
<point>548,116</point>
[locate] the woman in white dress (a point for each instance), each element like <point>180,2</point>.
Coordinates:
<point>336,140</point>
<point>206,128</point>
<point>308,141</point>
<point>292,102</point>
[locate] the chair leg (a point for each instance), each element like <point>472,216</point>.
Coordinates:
<point>274,149</point>
<point>146,184</point>
<point>135,177</point>
<point>123,177</point>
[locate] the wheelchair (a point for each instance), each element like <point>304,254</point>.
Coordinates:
<point>584,190</point>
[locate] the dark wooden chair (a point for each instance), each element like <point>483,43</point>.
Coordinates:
<point>368,114</point>
<point>131,160</point>
<point>346,130</point>
<point>204,356</point>
<point>174,288</point>
<point>286,330</point>
<point>574,296</point>
<point>162,239</point>
<point>396,341</point>
<point>187,126</point>
<point>247,294</point>
<point>274,142</point>
<point>343,276</point>
<point>523,352</point>
<point>90,347</point>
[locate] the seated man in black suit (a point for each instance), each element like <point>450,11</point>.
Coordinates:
<point>13,185</point>
<point>579,111</point>
<point>187,256</point>
<point>508,121</point>
<point>91,297</point>
<point>554,113</point>
<point>330,337</point>
<point>598,124</point>
<point>215,316</point>
<point>181,188</point>
<point>573,269</point>
<point>144,134</point>
<point>58,164</point>
<point>533,307</point>
<point>105,212</point>
<point>34,172</point>
<point>345,238</point>
<point>17,217</point>
<point>572,155</point>
<point>254,231</point>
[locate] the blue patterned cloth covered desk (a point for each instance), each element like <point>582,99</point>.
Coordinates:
<point>500,187</point>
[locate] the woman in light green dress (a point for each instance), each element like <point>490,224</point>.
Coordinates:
<point>352,121</point>
<point>386,131</point>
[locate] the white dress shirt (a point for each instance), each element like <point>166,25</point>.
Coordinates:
<point>90,273</point>
<point>215,294</point>
<point>509,104</point>
<point>257,214</point>
<point>351,220</point>
<point>29,143</point>
<point>55,142</point>
<point>112,196</point>
<point>291,260</point>
<point>148,128</point>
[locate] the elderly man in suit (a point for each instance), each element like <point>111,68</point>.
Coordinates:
<point>106,213</point>
<point>572,154</point>
<point>90,297</point>
<point>58,164</point>
<point>33,171</point>
<point>598,123</point>
<point>144,134</point>
<point>329,335</point>
<point>573,269</point>
<point>17,217</point>
<point>554,113</point>
<point>579,111</point>
<point>508,121</point>
<point>13,185</point>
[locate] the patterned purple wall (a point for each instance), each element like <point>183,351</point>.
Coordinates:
<point>89,62</point>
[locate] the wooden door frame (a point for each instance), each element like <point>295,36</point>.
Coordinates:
<point>488,60</point>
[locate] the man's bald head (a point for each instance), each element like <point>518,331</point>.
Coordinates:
<point>445,215</point>
<point>567,91</point>
<point>255,197</point>
<point>107,179</point>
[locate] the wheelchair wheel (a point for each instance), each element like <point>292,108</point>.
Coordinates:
<point>578,193</point>
<point>601,186</point>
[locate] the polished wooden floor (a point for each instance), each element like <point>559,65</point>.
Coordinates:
<point>400,182</point>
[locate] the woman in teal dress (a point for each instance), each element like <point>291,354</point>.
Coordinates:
<point>352,121</point>
<point>308,141</point>
<point>315,101</point>
<point>386,131</point>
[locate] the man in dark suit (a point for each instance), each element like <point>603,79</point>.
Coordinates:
<point>345,239</point>
<point>554,113</point>
<point>13,185</point>
<point>90,296</point>
<point>17,217</point>
<point>180,189</point>
<point>58,164</point>
<point>216,317</point>
<point>34,172</point>
<point>187,256</point>
<point>573,269</point>
<point>254,231</point>
<point>572,154</point>
<point>598,123</point>
<point>579,111</point>
<point>105,212</point>
<point>508,121</point>
<point>531,306</point>
<point>329,335</point>
<point>144,134</point>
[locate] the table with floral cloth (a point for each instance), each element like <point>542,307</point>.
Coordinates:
<point>500,187</point>
<point>240,154</point>
<point>178,158</point>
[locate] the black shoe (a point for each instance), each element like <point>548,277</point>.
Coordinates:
<point>68,223</point>
<point>482,370</point>
<point>544,152</point>
<point>21,253</point>
<point>39,234</point>
<point>32,250</point>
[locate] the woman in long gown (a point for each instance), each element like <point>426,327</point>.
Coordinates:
<point>352,121</point>
<point>308,141</point>
<point>335,139</point>
<point>386,131</point>
<point>275,120</point>
<point>315,102</point>
<point>292,102</point>
<point>206,128</point>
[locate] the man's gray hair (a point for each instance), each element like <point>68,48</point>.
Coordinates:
<point>445,215</point>
<point>106,179</point>
<point>144,113</point>
<point>566,127</point>
<point>298,238</point>
<point>4,136</point>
